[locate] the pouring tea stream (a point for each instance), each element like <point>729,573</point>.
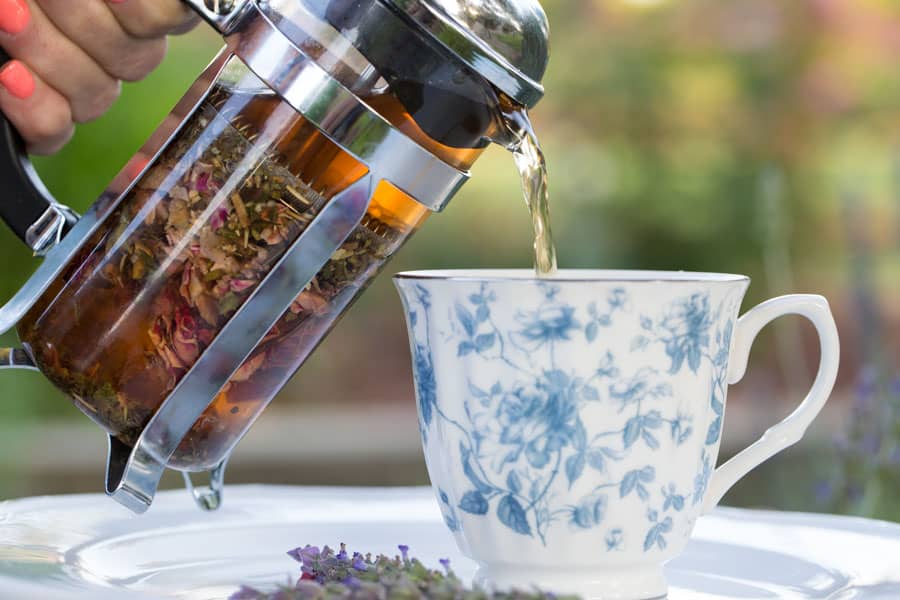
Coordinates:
<point>306,154</point>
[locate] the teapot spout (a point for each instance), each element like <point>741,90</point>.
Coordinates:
<point>16,358</point>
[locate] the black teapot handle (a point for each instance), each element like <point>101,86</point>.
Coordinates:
<point>26,206</point>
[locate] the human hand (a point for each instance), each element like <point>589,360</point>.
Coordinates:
<point>70,57</point>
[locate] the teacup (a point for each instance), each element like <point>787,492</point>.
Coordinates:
<point>571,425</point>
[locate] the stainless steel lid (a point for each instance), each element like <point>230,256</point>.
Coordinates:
<point>505,41</point>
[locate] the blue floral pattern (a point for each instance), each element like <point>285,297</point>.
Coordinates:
<point>685,332</point>
<point>524,449</point>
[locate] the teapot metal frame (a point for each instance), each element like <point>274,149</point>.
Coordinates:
<point>133,474</point>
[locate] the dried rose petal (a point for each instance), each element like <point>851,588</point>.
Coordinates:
<point>218,219</point>
<point>239,285</point>
<point>187,349</point>
<point>154,178</point>
<point>272,236</point>
<point>185,320</point>
<point>202,183</point>
<point>185,289</point>
<point>250,366</point>
<point>196,288</point>
<point>309,301</point>
<point>179,193</point>
<point>205,336</point>
<point>211,248</point>
<point>222,287</point>
<point>179,215</point>
<point>209,308</point>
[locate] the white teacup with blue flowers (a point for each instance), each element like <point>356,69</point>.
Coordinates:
<point>571,425</point>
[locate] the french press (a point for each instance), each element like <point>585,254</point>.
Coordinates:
<point>311,148</point>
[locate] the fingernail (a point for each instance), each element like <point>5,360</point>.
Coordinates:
<point>14,16</point>
<point>116,1</point>
<point>17,80</point>
<point>137,165</point>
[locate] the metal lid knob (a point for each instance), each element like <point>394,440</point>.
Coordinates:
<point>506,41</point>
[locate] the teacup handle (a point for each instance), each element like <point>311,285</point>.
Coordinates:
<point>791,429</point>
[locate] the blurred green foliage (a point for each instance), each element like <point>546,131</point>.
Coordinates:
<point>680,134</point>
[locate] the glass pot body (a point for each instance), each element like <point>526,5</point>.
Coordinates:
<point>241,180</point>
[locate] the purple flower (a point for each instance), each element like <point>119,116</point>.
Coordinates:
<point>307,589</point>
<point>445,562</point>
<point>894,458</point>
<point>358,563</point>
<point>306,555</point>
<point>246,593</point>
<point>351,582</point>
<point>824,492</point>
<point>866,388</point>
<point>404,551</point>
<point>870,444</point>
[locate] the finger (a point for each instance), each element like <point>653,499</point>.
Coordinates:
<point>95,29</point>
<point>153,18</point>
<point>60,63</point>
<point>40,114</point>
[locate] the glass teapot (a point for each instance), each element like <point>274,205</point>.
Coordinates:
<point>306,154</point>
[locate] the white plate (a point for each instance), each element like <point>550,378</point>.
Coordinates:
<point>77,547</point>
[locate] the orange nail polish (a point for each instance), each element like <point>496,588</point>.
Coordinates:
<point>17,80</point>
<point>136,165</point>
<point>14,16</point>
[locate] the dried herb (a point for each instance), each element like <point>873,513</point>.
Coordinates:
<point>177,258</point>
<point>327,575</point>
<point>294,336</point>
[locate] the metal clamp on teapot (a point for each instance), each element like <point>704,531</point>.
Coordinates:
<point>313,146</point>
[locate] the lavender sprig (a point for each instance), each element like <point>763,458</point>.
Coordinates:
<point>330,575</point>
<point>867,450</point>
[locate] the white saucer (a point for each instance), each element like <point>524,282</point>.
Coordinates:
<point>76,547</point>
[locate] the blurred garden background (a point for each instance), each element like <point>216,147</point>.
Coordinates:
<point>751,136</point>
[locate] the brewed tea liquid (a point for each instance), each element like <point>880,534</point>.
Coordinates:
<point>532,165</point>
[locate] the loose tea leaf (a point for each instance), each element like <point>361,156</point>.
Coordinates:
<point>326,575</point>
